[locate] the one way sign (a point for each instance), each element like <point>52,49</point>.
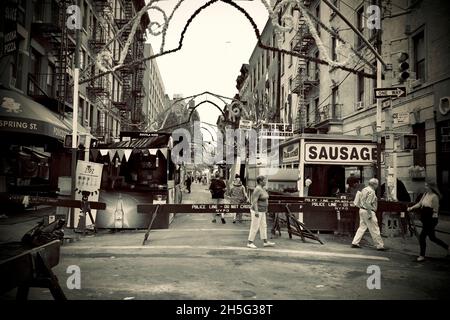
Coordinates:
<point>395,92</point>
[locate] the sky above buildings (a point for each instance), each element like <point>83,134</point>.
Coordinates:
<point>218,41</point>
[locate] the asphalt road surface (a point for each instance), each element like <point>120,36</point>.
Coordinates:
<point>196,259</point>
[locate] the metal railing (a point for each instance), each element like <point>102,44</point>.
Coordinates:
<point>329,112</point>
<point>305,80</point>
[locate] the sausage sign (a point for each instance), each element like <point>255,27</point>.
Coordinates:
<point>340,153</point>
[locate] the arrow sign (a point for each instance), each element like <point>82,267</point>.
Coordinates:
<point>395,92</point>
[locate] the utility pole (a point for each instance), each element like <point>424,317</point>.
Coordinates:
<point>76,75</point>
<point>379,111</point>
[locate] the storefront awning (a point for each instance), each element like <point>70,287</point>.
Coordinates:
<point>82,131</point>
<point>19,113</point>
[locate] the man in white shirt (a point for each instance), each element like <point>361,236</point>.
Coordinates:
<point>367,216</point>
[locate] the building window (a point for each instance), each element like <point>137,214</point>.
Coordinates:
<point>267,59</point>
<point>291,47</point>
<point>419,155</point>
<point>374,84</point>
<point>35,62</point>
<point>334,102</point>
<point>50,80</point>
<point>83,59</point>
<point>262,65</point>
<point>35,67</point>
<point>282,63</point>
<point>316,67</point>
<point>80,110</point>
<point>318,17</point>
<point>86,114</point>
<point>85,15</point>
<point>316,105</point>
<point>273,93</point>
<point>360,25</point>
<point>274,45</point>
<point>308,110</point>
<point>91,116</point>
<point>38,11</point>
<point>419,55</point>
<point>16,66</point>
<point>333,49</point>
<point>21,11</point>
<point>360,88</point>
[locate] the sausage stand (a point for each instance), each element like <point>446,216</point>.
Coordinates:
<point>327,161</point>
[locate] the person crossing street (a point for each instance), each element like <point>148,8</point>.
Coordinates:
<point>217,189</point>
<point>367,205</point>
<point>260,204</point>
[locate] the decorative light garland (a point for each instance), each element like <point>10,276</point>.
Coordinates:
<point>288,20</point>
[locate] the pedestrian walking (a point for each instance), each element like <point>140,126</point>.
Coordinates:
<point>260,204</point>
<point>367,205</point>
<point>353,185</point>
<point>238,195</point>
<point>188,183</point>
<point>428,207</point>
<point>217,189</point>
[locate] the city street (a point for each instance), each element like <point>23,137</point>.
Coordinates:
<point>195,259</point>
<point>331,114</point>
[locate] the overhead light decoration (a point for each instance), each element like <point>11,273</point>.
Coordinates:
<point>156,28</point>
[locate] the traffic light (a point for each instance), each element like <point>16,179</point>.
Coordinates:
<point>410,142</point>
<point>403,67</point>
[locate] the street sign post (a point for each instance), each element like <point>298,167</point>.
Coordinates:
<point>394,92</point>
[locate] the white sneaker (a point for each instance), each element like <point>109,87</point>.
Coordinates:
<point>269,244</point>
<point>252,246</point>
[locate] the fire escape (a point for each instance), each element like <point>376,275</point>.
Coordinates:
<point>50,29</point>
<point>99,89</point>
<point>124,103</point>
<point>304,81</point>
<point>138,90</point>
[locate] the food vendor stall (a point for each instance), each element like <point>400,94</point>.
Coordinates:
<point>137,169</point>
<point>327,160</point>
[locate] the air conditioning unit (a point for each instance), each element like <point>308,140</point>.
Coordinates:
<point>415,83</point>
<point>359,105</point>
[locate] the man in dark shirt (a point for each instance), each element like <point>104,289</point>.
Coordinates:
<point>217,189</point>
<point>188,183</point>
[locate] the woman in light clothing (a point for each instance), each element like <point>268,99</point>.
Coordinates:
<point>260,203</point>
<point>238,195</point>
<point>428,207</point>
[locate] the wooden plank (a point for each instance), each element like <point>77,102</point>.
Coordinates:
<point>19,269</point>
<point>55,202</point>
